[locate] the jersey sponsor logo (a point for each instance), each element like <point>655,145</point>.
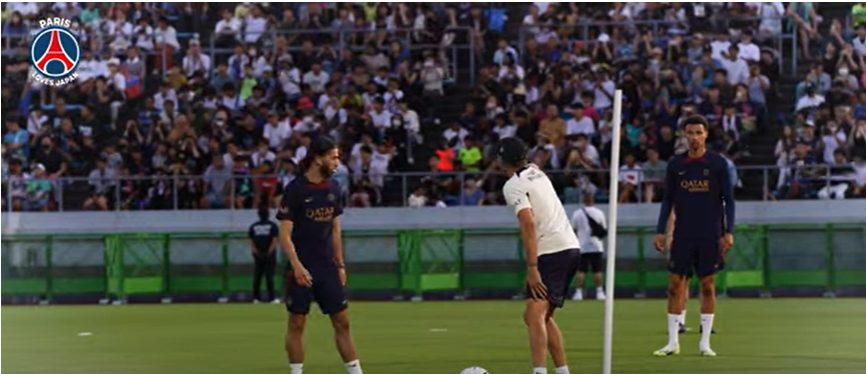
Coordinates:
<point>331,197</point>
<point>323,214</point>
<point>682,173</point>
<point>695,185</point>
<point>54,52</point>
<point>706,172</point>
<point>308,200</point>
<point>262,230</point>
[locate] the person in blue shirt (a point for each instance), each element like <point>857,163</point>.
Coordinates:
<point>309,216</point>
<point>699,193</point>
<point>17,140</point>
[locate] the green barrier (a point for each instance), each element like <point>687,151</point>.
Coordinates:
<point>765,257</point>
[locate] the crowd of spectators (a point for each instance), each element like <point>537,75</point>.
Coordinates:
<point>182,124</point>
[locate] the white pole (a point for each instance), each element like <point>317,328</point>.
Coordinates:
<point>611,232</point>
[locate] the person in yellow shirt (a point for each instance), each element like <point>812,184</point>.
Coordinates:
<point>470,156</point>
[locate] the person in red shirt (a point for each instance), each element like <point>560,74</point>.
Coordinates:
<point>265,184</point>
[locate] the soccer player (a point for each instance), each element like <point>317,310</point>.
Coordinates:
<point>699,192</point>
<point>309,216</point>
<point>263,245</point>
<point>552,251</point>
<point>591,227</point>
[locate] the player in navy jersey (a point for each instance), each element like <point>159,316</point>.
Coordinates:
<point>263,245</point>
<point>309,216</point>
<point>698,190</point>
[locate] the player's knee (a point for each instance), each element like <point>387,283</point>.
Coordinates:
<point>340,323</point>
<point>708,287</point>
<point>296,323</point>
<point>533,317</point>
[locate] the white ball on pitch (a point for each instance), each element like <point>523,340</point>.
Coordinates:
<point>474,370</point>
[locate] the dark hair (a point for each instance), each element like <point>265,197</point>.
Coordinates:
<point>319,147</point>
<point>696,120</point>
<point>264,213</point>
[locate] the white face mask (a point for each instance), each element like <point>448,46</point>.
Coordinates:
<point>843,72</point>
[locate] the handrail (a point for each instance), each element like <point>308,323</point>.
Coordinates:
<point>405,181</point>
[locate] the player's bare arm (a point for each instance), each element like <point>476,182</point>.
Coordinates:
<point>530,246</point>
<point>302,276</point>
<point>338,250</point>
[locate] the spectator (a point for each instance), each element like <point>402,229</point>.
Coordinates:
<point>16,140</point>
<point>470,155</point>
<point>316,78</point>
<point>579,124</point>
<point>653,175</point>
<point>102,185</point>
<point>195,61</point>
<point>17,180</point>
<point>811,100</point>
<point>630,176</point>
<point>39,190</point>
<point>552,127</point>
<point>418,198</point>
<point>840,175</point>
<point>749,51</point>
<point>277,132</point>
<point>737,68</point>
<point>472,195</point>
<point>216,187</point>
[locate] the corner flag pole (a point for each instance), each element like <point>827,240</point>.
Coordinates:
<point>611,236</point>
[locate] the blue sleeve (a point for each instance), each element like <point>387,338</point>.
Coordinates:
<point>727,197</point>
<point>668,200</point>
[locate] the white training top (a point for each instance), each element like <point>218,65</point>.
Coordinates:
<point>530,188</point>
<point>588,243</point>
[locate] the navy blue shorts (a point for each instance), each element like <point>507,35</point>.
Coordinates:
<point>325,291</point>
<point>701,255</point>
<point>557,270</point>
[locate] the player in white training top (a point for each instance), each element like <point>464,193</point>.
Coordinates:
<point>552,251</point>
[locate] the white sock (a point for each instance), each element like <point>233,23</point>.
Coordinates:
<point>297,368</point>
<point>673,330</point>
<point>561,370</point>
<point>707,329</point>
<point>354,367</point>
<point>539,370</point>
<point>683,317</point>
<point>599,291</point>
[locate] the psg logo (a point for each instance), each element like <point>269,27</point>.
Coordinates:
<point>54,53</point>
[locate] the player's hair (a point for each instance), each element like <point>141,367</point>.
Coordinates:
<point>264,213</point>
<point>321,146</point>
<point>696,120</point>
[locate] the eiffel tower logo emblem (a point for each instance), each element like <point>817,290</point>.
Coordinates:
<point>55,52</point>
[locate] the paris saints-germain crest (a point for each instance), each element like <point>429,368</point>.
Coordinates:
<point>54,53</point>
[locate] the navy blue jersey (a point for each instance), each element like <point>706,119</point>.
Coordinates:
<point>700,193</point>
<point>312,208</point>
<point>263,233</point>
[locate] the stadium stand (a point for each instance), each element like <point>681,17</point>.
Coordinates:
<point>195,105</point>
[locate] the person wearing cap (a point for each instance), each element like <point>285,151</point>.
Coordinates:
<point>310,234</point>
<point>38,189</point>
<point>551,246</point>
<point>195,60</point>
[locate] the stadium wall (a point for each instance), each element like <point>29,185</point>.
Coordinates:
<point>806,247</point>
<point>485,217</point>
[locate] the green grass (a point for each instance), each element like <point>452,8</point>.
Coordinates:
<point>755,336</point>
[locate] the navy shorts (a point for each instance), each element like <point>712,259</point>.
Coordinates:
<point>591,262</point>
<point>703,256</point>
<point>325,291</point>
<point>557,270</point>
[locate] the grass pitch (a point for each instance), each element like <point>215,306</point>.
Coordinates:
<point>755,336</point>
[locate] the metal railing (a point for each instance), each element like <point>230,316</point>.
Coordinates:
<point>175,192</point>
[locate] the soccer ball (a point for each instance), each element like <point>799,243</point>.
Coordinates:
<point>474,370</point>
